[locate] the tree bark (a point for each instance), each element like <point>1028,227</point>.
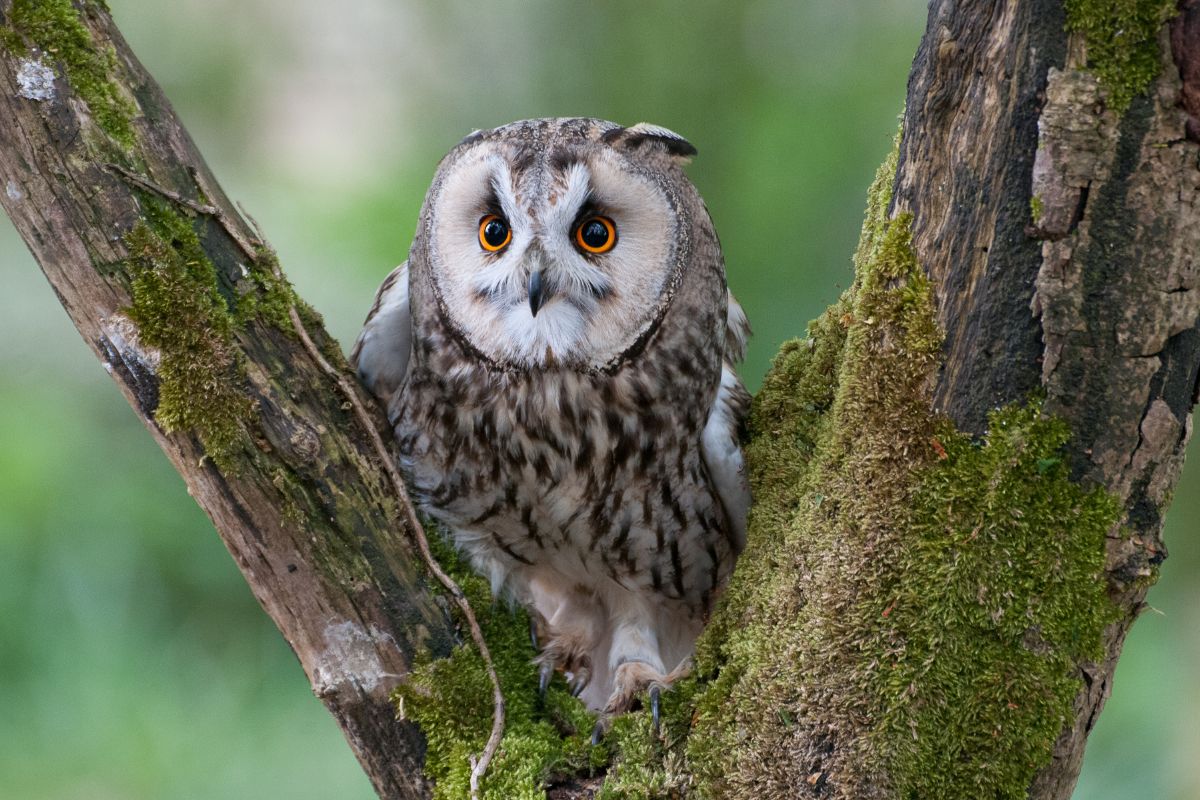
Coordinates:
<point>1059,231</point>
<point>300,497</point>
<point>1002,109</point>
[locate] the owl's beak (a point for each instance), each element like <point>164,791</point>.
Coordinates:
<point>537,291</point>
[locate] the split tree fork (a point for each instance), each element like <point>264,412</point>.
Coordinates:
<point>1031,247</point>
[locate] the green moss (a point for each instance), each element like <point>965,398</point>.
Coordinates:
<point>450,700</point>
<point>1000,596</point>
<point>1036,209</point>
<point>1122,42</point>
<point>648,766</point>
<point>861,421</point>
<point>54,27</point>
<point>180,311</point>
<point>11,41</point>
<point>265,294</point>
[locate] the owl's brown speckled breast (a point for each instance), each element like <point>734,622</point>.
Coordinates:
<point>598,475</point>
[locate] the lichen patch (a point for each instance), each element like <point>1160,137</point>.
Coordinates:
<point>35,81</point>
<point>351,658</point>
<point>122,334</point>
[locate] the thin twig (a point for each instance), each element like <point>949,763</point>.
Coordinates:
<point>147,184</point>
<point>479,764</point>
<point>207,210</point>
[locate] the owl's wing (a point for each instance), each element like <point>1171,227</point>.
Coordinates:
<point>720,443</point>
<point>382,349</point>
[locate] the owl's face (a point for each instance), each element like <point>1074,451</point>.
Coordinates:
<point>558,242</point>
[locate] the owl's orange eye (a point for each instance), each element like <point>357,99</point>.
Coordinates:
<point>596,235</point>
<point>494,233</point>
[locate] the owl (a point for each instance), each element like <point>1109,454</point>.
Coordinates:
<point>557,362</point>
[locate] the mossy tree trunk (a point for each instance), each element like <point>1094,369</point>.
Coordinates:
<point>958,544</point>
<point>935,593</point>
<point>1052,167</point>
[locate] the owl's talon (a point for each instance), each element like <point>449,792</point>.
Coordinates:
<point>599,731</point>
<point>580,673</point>
<point>655,702</point>
<point>545,673</point>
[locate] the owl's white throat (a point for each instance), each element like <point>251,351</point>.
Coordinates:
<point>553,335</point>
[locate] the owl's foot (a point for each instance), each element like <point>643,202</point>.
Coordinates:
<point>632,679</point>
<point>577,680</point>
<point>604,722</point>
<point>577,666</point>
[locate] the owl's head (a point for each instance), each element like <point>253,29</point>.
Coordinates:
<point>558,241</point>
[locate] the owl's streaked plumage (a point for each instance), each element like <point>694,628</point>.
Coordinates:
<point>570,412</point>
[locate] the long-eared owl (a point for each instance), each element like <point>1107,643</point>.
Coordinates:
<point>557,361</point>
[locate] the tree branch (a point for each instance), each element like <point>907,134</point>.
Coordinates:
<point>105,186</point>
<point>1081,207</point>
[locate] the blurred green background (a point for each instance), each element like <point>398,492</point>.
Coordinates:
<point>134,662</point>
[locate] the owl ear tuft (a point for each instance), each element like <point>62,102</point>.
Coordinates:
<point>637,135</point>
<point>472,137</point>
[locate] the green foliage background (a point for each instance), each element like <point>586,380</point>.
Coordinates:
<point>134,662</point>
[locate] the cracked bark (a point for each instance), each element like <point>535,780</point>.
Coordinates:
<point>1095,303</point>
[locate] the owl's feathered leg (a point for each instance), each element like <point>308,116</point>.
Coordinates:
<point>572,626</point>
<point>647,638</point>
<point>634,658</point>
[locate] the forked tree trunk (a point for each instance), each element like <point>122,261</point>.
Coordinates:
<point>1051,186</point>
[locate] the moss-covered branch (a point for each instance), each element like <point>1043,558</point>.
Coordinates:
<point>173,292</point>
<point>942,664</point>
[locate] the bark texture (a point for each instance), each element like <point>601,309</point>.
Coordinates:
<point>1031,192</point>
<point>299,497</point>
<point>1058,229</point>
